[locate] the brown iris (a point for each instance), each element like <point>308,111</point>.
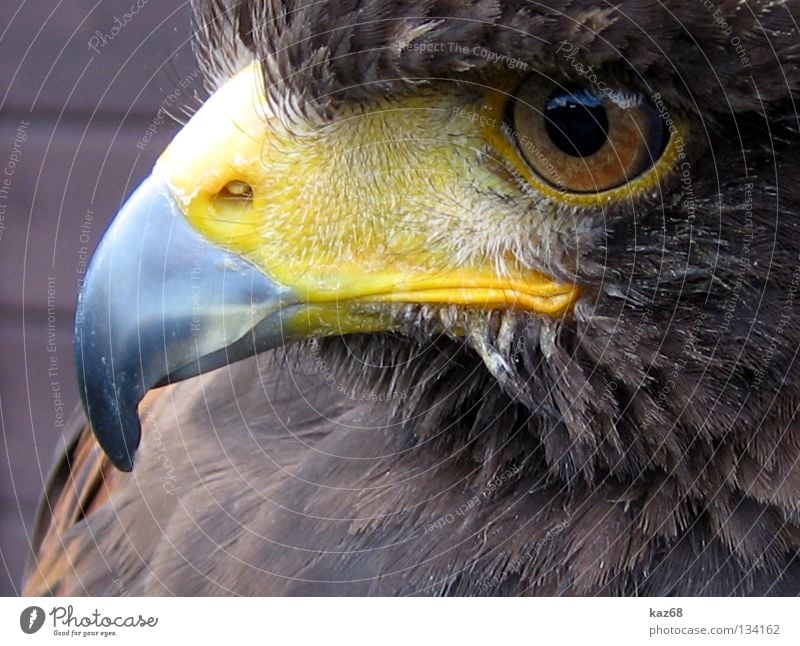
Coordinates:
<point>582,140</point>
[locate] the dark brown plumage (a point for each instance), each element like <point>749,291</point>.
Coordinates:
<point>646,445</point>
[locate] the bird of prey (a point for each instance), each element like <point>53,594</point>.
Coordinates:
<point>437,297</point>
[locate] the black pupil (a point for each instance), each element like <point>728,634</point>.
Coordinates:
<point>576,122</point>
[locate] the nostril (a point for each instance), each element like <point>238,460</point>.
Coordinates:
<point>236,190</point>
<point>232,204</point>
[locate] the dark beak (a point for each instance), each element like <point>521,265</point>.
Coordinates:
<point>161,304</point>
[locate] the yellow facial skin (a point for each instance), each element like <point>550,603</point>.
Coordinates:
<point>398,203</point>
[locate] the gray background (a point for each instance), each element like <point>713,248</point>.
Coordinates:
<point>87,112</point>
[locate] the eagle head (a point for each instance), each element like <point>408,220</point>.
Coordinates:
<point>561,240</point>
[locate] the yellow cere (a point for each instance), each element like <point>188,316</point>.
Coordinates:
<point>370,208</point>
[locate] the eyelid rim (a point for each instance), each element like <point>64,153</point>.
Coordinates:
<point>497,103</point>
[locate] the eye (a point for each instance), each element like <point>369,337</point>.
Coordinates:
<point>581,140</point>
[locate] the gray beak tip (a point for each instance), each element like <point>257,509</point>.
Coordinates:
<point>160,303</point>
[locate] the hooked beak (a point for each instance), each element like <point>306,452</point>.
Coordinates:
<point>160,304</point>
<point>249,235</point>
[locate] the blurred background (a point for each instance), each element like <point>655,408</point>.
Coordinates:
<point>86,89</point>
